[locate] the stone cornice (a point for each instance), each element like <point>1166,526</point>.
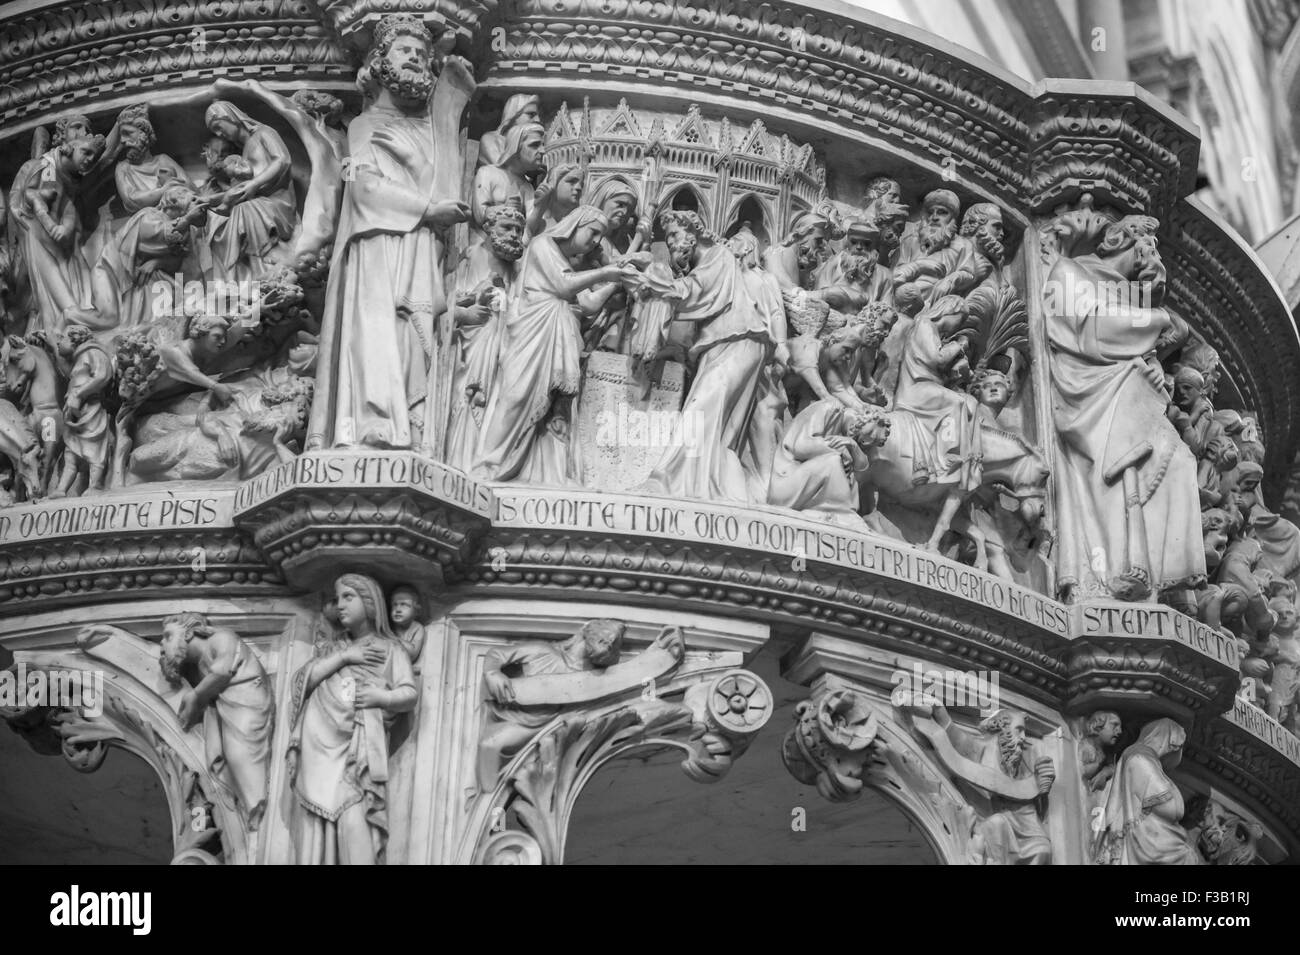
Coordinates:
<point>59,57</point>
<point>127,545</point>
<point>764,565</point>
<point>1257,761</point>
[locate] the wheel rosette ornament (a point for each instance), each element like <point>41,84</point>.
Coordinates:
<point>739,703</point>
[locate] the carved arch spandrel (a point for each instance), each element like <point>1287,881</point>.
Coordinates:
<point>139,718</point>
<point>525,820</point>
<point>845,740</point>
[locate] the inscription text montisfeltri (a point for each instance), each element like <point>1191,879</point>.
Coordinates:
<point>763,532</point>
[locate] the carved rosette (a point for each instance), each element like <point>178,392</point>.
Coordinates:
<point>830,743</point>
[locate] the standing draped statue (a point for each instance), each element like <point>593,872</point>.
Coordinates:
<point>344,702</point>
<point>1144,805</point>
<point>740,319</point>
<point>528,427</point>
<point>1126,482</point>
<point>385,295</point>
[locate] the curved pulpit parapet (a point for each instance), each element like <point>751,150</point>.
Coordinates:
<point>796,344</point>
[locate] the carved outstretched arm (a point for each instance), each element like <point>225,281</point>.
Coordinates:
<point>960,739</point>
<point>221,670</point>
<point>181,366</point>
<point>278,162</point>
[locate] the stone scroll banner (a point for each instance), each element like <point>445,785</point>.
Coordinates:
<point>588,686</point>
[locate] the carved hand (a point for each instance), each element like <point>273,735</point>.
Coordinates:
<point>458,72</point>
<point>368,696</point>
<point>498,687</point>
<point>445,212</point>
<point>60,234</point>
<point>222,394</point>
<point>639,260</point>
<point>370,655</point>
<point>190,712</point>
<point>473,314</point>
<point>237,194</point>
<point>671,639</point>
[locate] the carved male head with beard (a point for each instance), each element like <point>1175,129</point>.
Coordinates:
<point>402,60</point>
<point>1009,727</point>
<point>174,650</point>
<point>1130,247</point>
<point>983,222</point>
<point>137,135</point>
<point>683,231</point>
<point>861,251</point>
<point>938,225</point>
<point>505,229</point>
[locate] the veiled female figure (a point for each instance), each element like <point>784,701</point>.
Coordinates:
<point>527,425</point>
<point>1144,806</point>
<point>507,178</point>
<point>522,109</point>
<point>257,214</point>
<point>556,196</point>
<point>343,703</point>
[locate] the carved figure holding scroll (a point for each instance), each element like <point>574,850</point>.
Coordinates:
<point>379,335</point>
<point>527,685</point>
<point>993,769</point>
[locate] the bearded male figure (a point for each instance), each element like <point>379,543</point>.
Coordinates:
<point>385,296</point>
<point>854,278</point>
<point>991,769</point>
<point>1126,481</point>
<point>485,280</point>
<point>141,175</point>
<point>934,262</point>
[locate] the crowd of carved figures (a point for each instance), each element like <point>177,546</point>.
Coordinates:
<point>208,314</point>
<point>1168,457</point>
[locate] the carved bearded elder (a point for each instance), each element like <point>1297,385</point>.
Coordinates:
<point>378,338</point>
